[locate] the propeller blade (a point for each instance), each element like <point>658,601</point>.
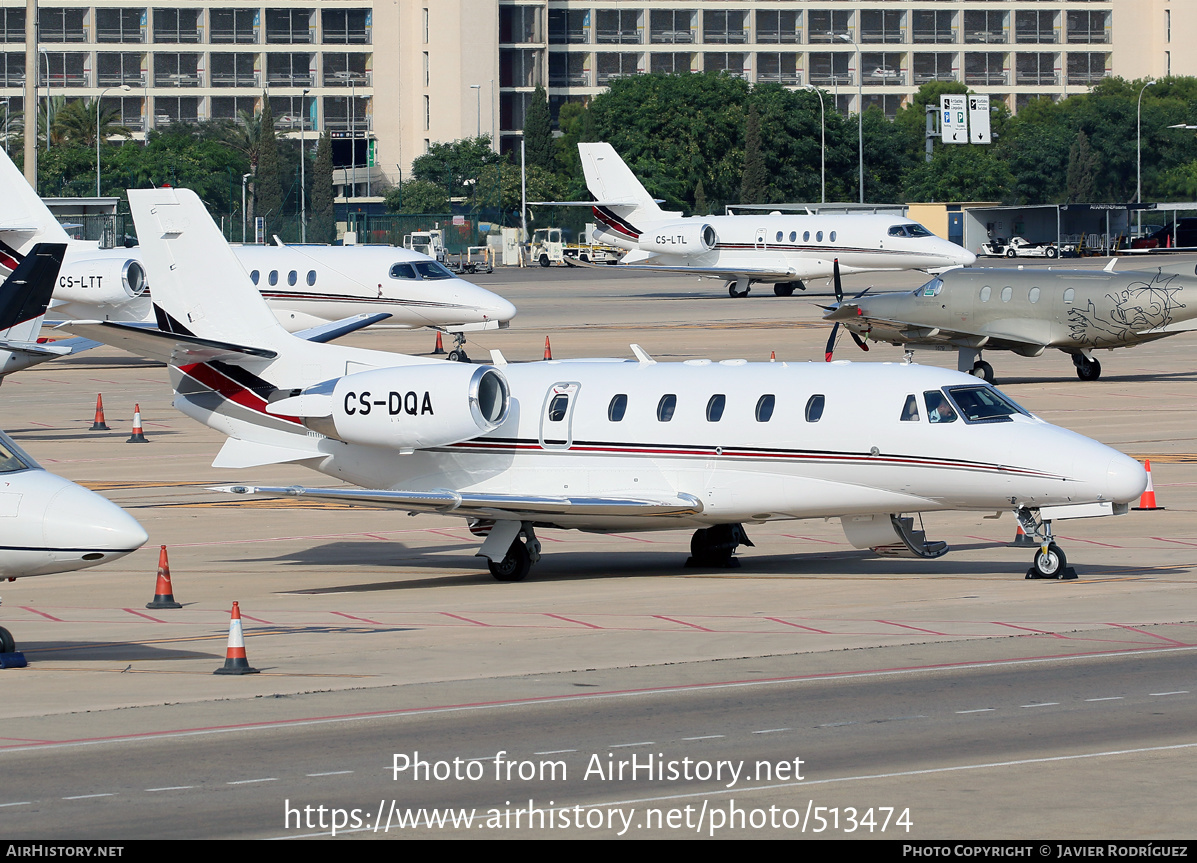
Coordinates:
<point>830,349</point>
<point>839,288</point>
<point>860,343</point>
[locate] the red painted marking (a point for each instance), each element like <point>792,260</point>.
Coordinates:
<point>1177,541</point>
<point>636,538</point>
<point>363,619</point>
<point>682,623</point>
<point>1029,629</point>
<point>1090,541</point>
<point>104,381</point>
<point>1148,634</point>
<point>466,619</point>
<point>812,539</point>
<point>571,620</point>
<point>142,614</point>
<point>42,613</point>
<point>255,619</point>
<point>799,626</point>
<point>43,425</point>
<point>907,626</point>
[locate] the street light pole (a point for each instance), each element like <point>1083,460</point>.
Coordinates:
<point>99,99</point>
<point>244,180</point>
<point>1139,150</point>
<point>822,144</point>
<point>303,194</point>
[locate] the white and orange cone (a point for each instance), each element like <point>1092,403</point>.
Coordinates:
<point>164,593</point>
<point>772,356</point>
<point>138,436</point>
<point>548,351</point>
<point>234,658</point>
<point>99,424</point>
<point>1022,539</point>
<point>440,347</point>
<point>1147,501</point>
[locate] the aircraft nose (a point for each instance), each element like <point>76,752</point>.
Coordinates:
<point>1125,479</point>
<point>501,309</point>
<point>965,257</point>
<point>77,518</point>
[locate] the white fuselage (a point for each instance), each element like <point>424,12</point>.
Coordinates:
<point>777,246</point>
<point>858,457</point>
<point>304,286</point>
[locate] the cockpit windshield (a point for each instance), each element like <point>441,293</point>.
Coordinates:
<point>424,270</point>
<point>13,458</point>
<point>914,229</point>
<point>931,289</point>
<point>984,404</point>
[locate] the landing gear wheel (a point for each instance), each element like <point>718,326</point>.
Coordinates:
<point>1086,369</point>
<point>7,643</point>
<point>1052,252</point>
<point>715,546</point>
<point>784,289</point>
<point>457,355</point>
<point>1048,564</point>
<point>983,370</point>
<point>732,292</point>
<point>514,566</point>
<point>544,260</point>
<point>1010,253</point>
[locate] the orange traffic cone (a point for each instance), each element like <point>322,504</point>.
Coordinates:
<point>1147,501</point>
<point>99,424</point>
<point>440,348</point>
<point>548,351</point>
<point>138,436</point>
<point>234,658</point>
<point>1022,540</point>
<point>164,596</point>
<point>772,356</point>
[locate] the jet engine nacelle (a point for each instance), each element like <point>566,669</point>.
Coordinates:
<point>103,281</point>
<point>405,407</point>
<point>678,238</point>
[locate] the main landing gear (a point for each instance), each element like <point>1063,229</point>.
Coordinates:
<point>7,643</point>
<point>738,287</point>
<point>786,289</point>
<point>510,549</point>
<point>983,370</point>
<point>1087,368</point>
<point>1049,560</point>
<point>714,546</point>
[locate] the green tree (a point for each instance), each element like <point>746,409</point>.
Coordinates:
<point>322,226</point>
<point>959,172</point>
<point>75,123</point>
<point>754,185</point>
<point>1082,171</point>
<point>268,187</point>
<point>539,149</point>
<point>417,196</point>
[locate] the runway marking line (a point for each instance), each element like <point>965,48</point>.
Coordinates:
<point>1149,634</point>
<point>589,696</point>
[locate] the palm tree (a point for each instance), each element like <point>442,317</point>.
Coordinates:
<point>76,123</point>
<point>51,106</point>
<point>245,135</point>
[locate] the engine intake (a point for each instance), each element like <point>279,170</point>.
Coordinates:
<point>679,238</point>
<point>104,281</point>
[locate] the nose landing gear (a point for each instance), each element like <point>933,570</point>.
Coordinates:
<point>1049,560</point>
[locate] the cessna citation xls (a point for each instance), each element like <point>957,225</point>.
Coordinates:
<point>305,285</point>
<point>601,445</point>
<point>777,248</point>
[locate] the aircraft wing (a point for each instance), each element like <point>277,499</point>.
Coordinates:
<point>764,274</point>
<point>170,348</point>
<point>485,505</point>
<point>335,329</point>
<point>885,329</point>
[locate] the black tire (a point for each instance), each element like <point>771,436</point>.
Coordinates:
<point>514,566</point>
<point>1052,252</point>
<point>457,355</point>
<point>1010,253</point>
<point>732,292</point>
<point>784,289</point>
<point>1050,563</point>
<point>7,643</point>
<point>544,260</point>
<point>983,370</point>
<point>1087,370</point>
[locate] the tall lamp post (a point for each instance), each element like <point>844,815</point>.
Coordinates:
<point>46,54</point>
<point>822,144</point>
<point>847,37</point>
<point>303,157</point>
<point>124,87</point>
<point>1139,152</point>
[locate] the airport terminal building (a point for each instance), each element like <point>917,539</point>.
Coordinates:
<point>389,77</point>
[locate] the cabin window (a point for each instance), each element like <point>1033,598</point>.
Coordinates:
<point>910,411</point>
<point>806,236</point>
<point>764,408</point>
<point>939,409</point>
<point>819,237</point>
<point>665,407</point>
<point>1069,295</point>
<point>617,408</point>
<point>558,407</point>
<point>292,278</point>
<point>985,292</point>
<point>1007,293</point>
<point>715,408</point>
<point>779,236</point>
<point>814,408</point>
<point>793,236</point>
<point>254,276</point>
<point>832,237</point>
<point>1033,296</point>
<point>403,271</point>
<point>273,278</point>
<point>311,277</point>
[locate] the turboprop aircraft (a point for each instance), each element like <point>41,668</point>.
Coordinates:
<point>606,444</point>
<point>305,285</point>
<point>54,525</point>
<point>784,249</point>
<point>1027,311</point>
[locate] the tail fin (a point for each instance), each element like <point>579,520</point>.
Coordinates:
<point>24,219</point>
<point>622,202</point>
<point>25,294</point>
<point>181,245</point>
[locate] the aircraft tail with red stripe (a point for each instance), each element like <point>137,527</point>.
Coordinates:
<point>621,203</point>
<point>24,220</point>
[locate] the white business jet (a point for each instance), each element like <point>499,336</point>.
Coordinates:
<point>606,444</point>
<point>305,285</point>
<point>784,249</point>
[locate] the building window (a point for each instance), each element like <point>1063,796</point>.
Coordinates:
<point>113,70</point>
<point>519,67</point>
<point>1035,69</point>
<point>618,27</point>
<point>292,70</point>
<point>569,70</point>
<point>1086,68</point>
<point>177,25</point>
<point>233,70</point>
<point>783,26</point>
<point>292,112</point>
<point>933,67</point>
<point>60,25</point>
<point>519,24</point>
<point>880,69</point>
<point>12,25</point>
<point>177,70</point>
<point>731,62</point>
<point>289,26</point>
<point>781,68</point>
<point>829,69</point>
<point>720,27</point>
<point>176,109</point>
<point>933,25</point>
<point>825,25</point>
<point>234,26</point>
<point>569,26</point>
<point>232,108</point>
<point>672,63</point>
<point>1035,26</point>
<point>346,26</point>
<point>882,25</point>
<point>65,69</point>
<point>984,69</point>
<point>120,25</point>
<point>984,27</point>
<point>612,65</point>
<point>1089,27</point>
<point>673,26</point>
<point>427,113</point>
<point>342,68</point>
<point>12,74</point>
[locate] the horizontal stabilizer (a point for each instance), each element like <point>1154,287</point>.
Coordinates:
<point>237,453</point>
<point>49,350</point>
<point>335,329</point>
<point>483,505</point>
<point>170,348</point>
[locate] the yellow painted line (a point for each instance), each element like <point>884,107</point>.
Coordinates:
<point>1167,458</point>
